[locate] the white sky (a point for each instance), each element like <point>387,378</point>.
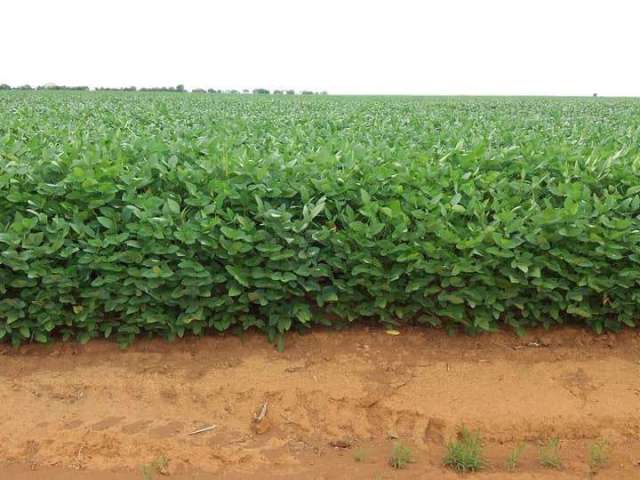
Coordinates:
<point>556,47</point>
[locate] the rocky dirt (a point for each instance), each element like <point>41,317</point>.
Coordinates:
<point>97,412</point>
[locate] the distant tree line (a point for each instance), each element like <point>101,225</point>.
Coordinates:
<point>62,87</point>
<point>177,89</point>
<point>114,89</point>
<point>264,91</point>
<point>4,86</point>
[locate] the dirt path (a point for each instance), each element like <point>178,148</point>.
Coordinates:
<point>95,412</point>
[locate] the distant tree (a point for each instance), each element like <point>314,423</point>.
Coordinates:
<point>595,94</point>
<point>246,90</point>
<point>307,92</point>
<point>25,87</point>
<point>198,90</point>
<point>291,92</point>
<point>180,88</point>
<point>260,91</point>
<point>278,92</point>
<point>324,92</point>
<point>114,89</point>
<point>53,86</point>
<point>162,89</point>
<point>4,86</point>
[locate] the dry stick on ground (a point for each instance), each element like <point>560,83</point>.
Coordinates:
<point>263,412</point>
<point>261,424</point>
<point>203,429</point>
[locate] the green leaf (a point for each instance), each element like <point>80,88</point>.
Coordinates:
<point>580,311</point>
<point>455,299</point>
<point>173,206</point>
<point>106,222</point>
<point>238,275</point>
<point>41,337</point>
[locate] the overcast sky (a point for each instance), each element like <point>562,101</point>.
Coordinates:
<point>552,47</point>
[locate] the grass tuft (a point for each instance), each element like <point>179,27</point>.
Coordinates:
<point>550,454</point>
<point>465,453</point>
<point>401,456</point>
<point>159,465</point>
<point>514,456</point>
<point>598,454</point>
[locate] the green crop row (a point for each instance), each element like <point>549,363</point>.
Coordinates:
<point>128,214</point>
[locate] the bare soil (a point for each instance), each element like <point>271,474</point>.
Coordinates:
<point>95,412</point>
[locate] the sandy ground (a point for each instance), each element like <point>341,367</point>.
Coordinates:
<point>71,412</point>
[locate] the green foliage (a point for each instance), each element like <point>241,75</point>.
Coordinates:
<point>401,456</point>
<point>514,456</point>
<point>465,453</point>
<point>550,454</point>
<point>598,454</point>
<point>125,213</point>
<point>159,465</point>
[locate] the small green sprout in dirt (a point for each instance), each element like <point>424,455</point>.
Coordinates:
<point>360,455</point>
<point>514,456</point>
<point>401,456</point>
<point>465,453</point>
<point>147,472</point>
<point>550,454</point>
<point>159,465</point>
<point>598,454</point>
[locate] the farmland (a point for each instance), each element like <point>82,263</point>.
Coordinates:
<point>483,252</point>
<point>171,214</point>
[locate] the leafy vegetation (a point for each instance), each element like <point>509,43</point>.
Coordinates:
<point>598,455</point>
<point>159,465</point>
<point>550,454</point>
<point>514,456</point>
<point>401,456</point>
<point>151,213</point>
<point>465,453</point>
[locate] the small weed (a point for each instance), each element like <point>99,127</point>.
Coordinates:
<point>159,465</point>
<point>401,456</point>
<point>147,472</point>
<point>550,454</point>
<point>598,454</point>
<point>465,453</point>
<point>514,457</point>
<point>360,455</point>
